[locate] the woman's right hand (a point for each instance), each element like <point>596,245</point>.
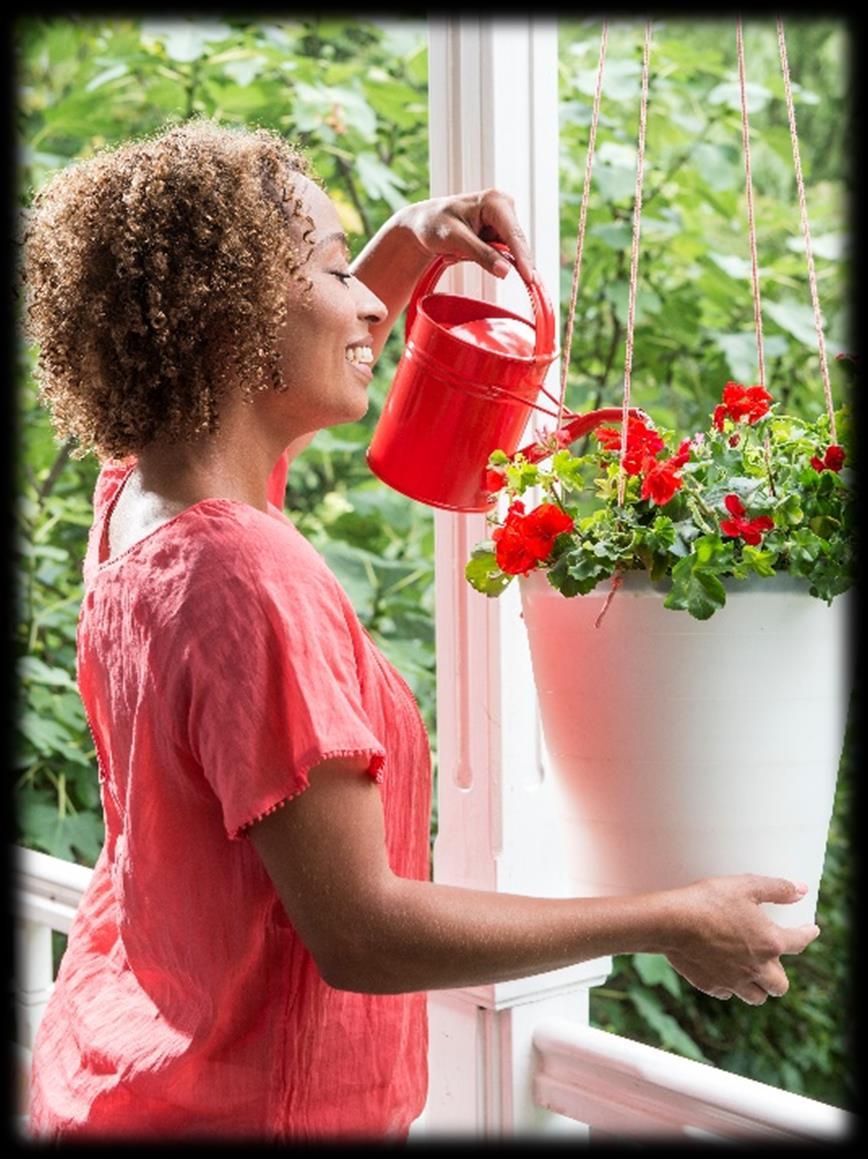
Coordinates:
<point>726,944</point>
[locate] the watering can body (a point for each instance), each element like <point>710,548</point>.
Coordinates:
<point>468,376</point>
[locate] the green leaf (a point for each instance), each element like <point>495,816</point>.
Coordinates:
<point>654,970</point>
<point>740,352</point>
<point>45,735</point>
<point>736,267</point>
<point>75,837</point>
<point>521,475</point>
<point>483,573</point>
<point>661,535</point>
<point>824,526</point>
<point>708,549</point>
<point>832,246</point>
<point>36,670</point>
<point>568,469</point>
<point>184,40</point>
<point>729,94</point>
<point>697,591</point>
<point>670,1034</point>
<point>759,560</point>
<point>798,319</point>
<point>380,181</point>
<point>790,510</point>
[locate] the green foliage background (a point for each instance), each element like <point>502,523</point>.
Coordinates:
<point>354,92</point>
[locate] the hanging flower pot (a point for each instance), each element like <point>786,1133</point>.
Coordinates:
<point>687,605</point>
<point>685,748</point>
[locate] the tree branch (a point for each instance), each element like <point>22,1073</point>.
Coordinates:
<point>54,474</point>
<point>346,173</point>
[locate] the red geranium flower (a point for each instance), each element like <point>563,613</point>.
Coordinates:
<point>662,481</point>
<point>525,540</point>
<point>543,525</point>
<point>682,455</point>
<point>750,530</point>
<point>511,552</point>
<point>495,478</point>
<point>642,442</point>
<point>741,402</point>
<point>833,460</point>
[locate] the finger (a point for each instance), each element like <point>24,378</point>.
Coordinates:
<point>497,213</point>
<point>777,889</point>
<point>719,992</point>
<point>774,981</point>
<point>752,994</point>
<point>466,243</point>
<point>795,940</point>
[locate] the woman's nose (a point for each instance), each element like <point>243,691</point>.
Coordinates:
<point>371,308</point>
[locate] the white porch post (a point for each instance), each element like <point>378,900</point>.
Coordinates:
<point>494,122</point>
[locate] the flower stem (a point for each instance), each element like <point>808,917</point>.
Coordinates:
<point>704,508</point>
<point>768,459</point>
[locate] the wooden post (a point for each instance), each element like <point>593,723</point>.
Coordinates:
<point>34,977</point>
<point>494,122</point>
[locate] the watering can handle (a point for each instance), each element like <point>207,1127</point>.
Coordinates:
<point>539,300</point>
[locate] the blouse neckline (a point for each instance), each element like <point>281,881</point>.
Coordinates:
<point>103,564</point>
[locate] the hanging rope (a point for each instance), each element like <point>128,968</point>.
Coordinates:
<point>637,216</point>
<point>806,231</point>
<point>751,226</point>
<point>580,239</point>
<point>634,262</point>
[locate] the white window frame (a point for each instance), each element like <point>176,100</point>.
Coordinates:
<point>493,107</point>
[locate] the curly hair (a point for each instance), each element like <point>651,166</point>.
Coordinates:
<point>155,277</point>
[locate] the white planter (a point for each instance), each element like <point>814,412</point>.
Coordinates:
<point>685,749</point>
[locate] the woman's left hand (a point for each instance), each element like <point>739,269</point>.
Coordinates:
<point>461,225</point>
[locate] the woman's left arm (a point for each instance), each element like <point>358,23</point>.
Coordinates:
<point>461,225</point>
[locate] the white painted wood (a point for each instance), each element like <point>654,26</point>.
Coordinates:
<point>493,123</point>
<point>33,977</point>
<point>46,894</point>
<point>630,1090</point>
<point>46,888</point>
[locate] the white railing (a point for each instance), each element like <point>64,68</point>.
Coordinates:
<point>46,892</point>
<point>621,1088</point>
<point>616,1087</point>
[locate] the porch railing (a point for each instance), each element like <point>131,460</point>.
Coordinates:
<point>614,1086</point>
<point>625,1089</point>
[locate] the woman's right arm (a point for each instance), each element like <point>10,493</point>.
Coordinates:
<point>374,932</point>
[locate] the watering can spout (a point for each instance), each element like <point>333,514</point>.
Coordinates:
<point>579,425</point>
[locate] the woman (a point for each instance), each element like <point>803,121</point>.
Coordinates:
<point>252,955</point>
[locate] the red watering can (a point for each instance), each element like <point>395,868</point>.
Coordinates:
<point>469,374</point>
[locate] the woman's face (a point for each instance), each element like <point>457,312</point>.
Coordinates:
<point>325,346</point>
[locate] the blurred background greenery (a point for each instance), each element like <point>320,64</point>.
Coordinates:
<point>354,93</point>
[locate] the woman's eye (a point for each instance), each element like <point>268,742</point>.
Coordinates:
<point>345,277</point>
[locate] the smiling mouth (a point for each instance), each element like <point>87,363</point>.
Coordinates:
<point>360,355</point>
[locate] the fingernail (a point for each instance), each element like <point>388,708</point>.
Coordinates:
<point>801,887</point>
<point>500,268</point>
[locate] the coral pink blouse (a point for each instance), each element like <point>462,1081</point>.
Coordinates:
<point>219,659</point>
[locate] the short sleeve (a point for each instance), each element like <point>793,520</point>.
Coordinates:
<point>272,687</point>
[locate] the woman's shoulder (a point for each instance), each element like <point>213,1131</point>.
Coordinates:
<point>217,547</point>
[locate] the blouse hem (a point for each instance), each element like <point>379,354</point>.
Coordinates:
<point>375,771</point>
